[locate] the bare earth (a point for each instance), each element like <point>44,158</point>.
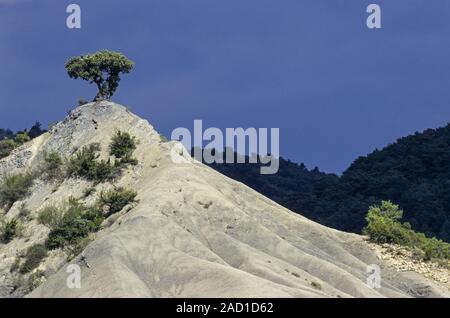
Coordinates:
<point>403,260</point>
<point>194,232</point>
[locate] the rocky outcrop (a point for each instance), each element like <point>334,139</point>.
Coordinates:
<point>407,260</point>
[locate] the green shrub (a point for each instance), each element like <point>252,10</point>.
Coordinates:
<point>88,192</point>
<point>82,102</point>
<point>122,145</point>
<point>24,212</point>
<point>72,224</point>
<point>70,232</point>
<point>127,160</point>
<point>34,256</point>
<point>77,222</point>
<point>15,266</point>
<point>417,254</point>
<point>52,165</point>
<point>50,216</point>
<point>104,170</point>
<point>116,199</point>
<point>15,188</point>
<point>22,137</point>
<point>9,230</point>
<point>384,226</point>
<point>6,147</point>
<point>85,164</point>
<point>435,249</point>
<point>163,138</point>
<point>35,280</point>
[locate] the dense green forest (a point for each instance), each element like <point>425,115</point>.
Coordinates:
<point>414,173</point>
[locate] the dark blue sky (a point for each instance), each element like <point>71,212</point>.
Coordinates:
<point>335,89</point>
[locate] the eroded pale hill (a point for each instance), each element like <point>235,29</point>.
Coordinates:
<point>194,232</point>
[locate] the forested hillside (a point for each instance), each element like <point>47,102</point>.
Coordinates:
<point>9,140</point>
<point>414,172</point>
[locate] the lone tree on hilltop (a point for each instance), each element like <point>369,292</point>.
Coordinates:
<point>102,68</point>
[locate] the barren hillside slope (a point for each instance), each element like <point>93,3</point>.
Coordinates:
<point>193,233</point>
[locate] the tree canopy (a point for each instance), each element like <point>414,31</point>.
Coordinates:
<point>384,226</point>
<point>102,68</point>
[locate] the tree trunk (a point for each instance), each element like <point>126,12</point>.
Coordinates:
<point>101,92</point>
<point>99,97</point>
